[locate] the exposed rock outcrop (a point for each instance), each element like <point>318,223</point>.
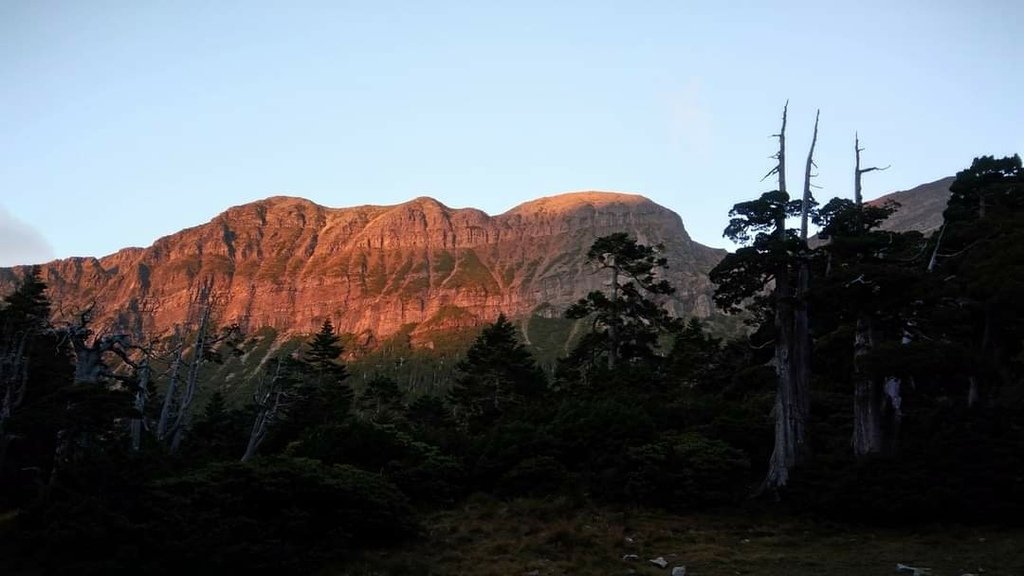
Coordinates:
<point>289,263</point>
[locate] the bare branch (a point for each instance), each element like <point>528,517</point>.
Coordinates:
<point>805,205</point>
<point>873,168</point>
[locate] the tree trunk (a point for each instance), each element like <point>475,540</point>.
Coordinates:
<point>867,396</point>
<point>868,392</point>
<point>935,252</point>
<point>789,411</point>
<point>166,411</point>
<point>256,435</point>
<point>801,356</point>
<point>790,420</point>
<point>137,424</point>
<point>14,378</point>
<point>613,328</point>
<point>183,417</point>
<point>972,391</point>
<point>268,402</point>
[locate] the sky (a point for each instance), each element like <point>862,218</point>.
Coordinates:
<point>125,121</point>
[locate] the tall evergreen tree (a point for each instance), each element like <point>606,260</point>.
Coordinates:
<point>24,354</point>
<point>298,394</point>
<point>323,396</point>
<point>771,258</point>
<point>981,259</point>
<point>626,318</point>
<point>497,375</point>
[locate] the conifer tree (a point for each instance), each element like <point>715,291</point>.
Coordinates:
<point>497,375</point>
<point>323,396</point>
<point>627,319</point>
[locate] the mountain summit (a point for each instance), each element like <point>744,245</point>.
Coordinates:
<point>289,264</point>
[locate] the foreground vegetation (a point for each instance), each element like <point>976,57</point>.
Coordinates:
<point>649,438</point>
<point>493,537</point>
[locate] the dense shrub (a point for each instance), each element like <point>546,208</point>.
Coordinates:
<point>419,469</point>
<point>276,515</point>
<point>686,471</point>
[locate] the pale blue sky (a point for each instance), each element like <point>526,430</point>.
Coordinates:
<point>123,121</point>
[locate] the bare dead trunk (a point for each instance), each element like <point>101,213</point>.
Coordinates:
<point>935,252</point>
<point>256,435</point>
<point>166,411</point>
<point>138,423</point>
<point>867,396</point>
<point>790,423</point>
<point>268,398</point>
<point>805,204</point>
<point>789,411</point>
<point>184,415</point>
<point>868,393</point>
<point>801,321</point>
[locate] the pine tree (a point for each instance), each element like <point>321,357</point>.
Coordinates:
<point>628,321</point>
<point>380,400</point>
<point>322,355</point>
<point>497,376</point>
<point>981,262</point>
<point>323,396</point>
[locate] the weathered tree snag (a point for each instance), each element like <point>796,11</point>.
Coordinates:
<point>858,198</point>
<point>935,252</point>
<point>138,424</point>
<point>143,370</point>
<point>789,411</point>
<point>801,355</point>
<point>805,205</point>
<point>868,396</point>
<point>269,398</point>
<point>170,395</point>
<point>184,411</point>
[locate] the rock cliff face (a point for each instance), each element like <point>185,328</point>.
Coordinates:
<point>288,263</point>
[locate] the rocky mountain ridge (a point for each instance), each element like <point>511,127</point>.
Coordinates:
<point>920,207</point>
<point>288,263</point>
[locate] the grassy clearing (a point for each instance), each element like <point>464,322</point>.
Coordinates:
<point>488,537</point>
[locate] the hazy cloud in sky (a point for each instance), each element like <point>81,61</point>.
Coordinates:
<point>21,243</point>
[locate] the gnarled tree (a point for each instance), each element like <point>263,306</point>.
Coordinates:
<point>769,259</point>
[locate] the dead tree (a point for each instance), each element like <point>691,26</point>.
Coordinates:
<point>790,408</point>
<point>184,406</point>
<point>868,392</point>
<point>801,353</point>
<point>91,372</point>
<point>271,399</point>
<point>143,371</point>
<point>174,378</point>
<point>90,352</point>
<point>192,345</point>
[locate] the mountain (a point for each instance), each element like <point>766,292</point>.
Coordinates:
<point>920,208</point>
<point>288,263</point>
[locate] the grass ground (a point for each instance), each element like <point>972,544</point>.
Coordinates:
<point>488,537</point>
